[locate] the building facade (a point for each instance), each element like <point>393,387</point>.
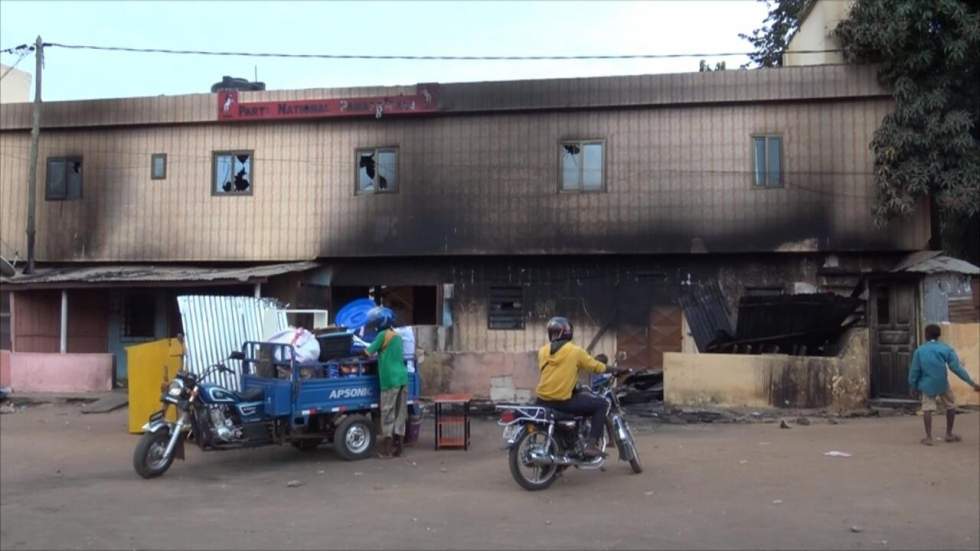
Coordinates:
<point>482,208</point>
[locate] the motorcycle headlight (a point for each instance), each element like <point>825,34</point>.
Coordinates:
<point>175,388</point>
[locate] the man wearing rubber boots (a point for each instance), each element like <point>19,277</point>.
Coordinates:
<point>393,379</point>
<point>560,362</point>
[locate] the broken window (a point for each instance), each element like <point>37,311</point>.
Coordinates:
<point>232,173</point>
<point>767,154</point>
<point>158,166</point>
<point>139,316</point>
<point>377,170</point>
<point>582,165</point>
<point>506,308</point>
<point>64,179</point>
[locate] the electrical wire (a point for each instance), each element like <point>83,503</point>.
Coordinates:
<point>22,55</point>
<point>401,57</point>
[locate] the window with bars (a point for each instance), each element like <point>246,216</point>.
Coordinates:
<point>506,308</point>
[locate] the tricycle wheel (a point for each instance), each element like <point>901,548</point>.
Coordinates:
<point>307,444</point>
<point>354,438</point>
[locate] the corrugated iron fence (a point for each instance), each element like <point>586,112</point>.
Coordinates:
<point>215,326</point>
<point>707,313</point>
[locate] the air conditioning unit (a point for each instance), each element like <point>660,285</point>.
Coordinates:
<point>320,317</point>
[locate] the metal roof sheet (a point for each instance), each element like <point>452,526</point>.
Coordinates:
<point>143,274</point>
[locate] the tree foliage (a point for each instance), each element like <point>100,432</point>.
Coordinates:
<point>929,57</point>
<point>771,39</point>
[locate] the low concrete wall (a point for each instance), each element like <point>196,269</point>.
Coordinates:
<point>716,379</point>
<point>771,380</point>
<point>42,372</point>
<point>500,376</point>
<point>965,339</point>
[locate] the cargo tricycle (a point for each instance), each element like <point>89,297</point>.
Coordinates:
<point>282,401</point>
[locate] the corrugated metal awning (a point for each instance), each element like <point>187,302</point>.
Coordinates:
<point>149,275</point>
<point>935,262</point>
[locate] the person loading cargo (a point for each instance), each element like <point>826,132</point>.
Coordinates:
<point>560,361</point>
<point>393,379</point>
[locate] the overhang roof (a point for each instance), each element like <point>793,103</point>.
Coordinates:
<point>935,262</point>
<point>149,275</point>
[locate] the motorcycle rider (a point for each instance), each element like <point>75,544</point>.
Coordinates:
<point>560,361</point>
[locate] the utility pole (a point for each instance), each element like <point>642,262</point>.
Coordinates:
<point>35,138</point>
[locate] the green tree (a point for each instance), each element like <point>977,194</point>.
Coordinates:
<point>928,52</point>
<point>771,39</point>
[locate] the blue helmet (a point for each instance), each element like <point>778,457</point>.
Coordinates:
<point>380,318</point>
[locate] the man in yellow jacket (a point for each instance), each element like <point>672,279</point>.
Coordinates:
<point>560,361</point>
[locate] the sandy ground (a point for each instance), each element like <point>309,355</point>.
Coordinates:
<point>67,482</point>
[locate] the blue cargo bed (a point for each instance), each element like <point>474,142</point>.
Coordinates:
<point>299,390</point>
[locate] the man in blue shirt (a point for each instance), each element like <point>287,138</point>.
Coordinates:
<point>927,375</point>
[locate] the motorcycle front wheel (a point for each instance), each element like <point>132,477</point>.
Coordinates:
<point>529,476</point>
<point>632,453</point>
<point>148,458</point>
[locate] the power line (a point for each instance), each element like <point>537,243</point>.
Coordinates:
<point>23,54</point>
<point>415,57</point>
<point>16,49</point>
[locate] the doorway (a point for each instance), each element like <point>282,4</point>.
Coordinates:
<point>893,336</point>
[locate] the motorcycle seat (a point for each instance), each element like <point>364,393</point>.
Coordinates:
<point>252,395</point>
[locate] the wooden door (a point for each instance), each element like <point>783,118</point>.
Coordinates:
<point>634,340</point>
<point>893,337</point>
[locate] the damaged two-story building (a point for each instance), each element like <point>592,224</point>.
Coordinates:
<point>481,209</point>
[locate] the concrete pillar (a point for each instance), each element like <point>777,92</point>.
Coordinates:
<point>258,290</point>
<point>63,344</point>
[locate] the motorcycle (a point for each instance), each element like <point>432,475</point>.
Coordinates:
<point>543,442</point>
<point>216,417</point>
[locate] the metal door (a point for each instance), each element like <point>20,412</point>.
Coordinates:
<point>893,337</point>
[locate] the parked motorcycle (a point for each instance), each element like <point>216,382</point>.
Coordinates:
<point>215,416</point>
<point>543,442</point>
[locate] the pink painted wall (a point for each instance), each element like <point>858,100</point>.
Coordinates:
<point>40,372</point>
<point>4,368</point>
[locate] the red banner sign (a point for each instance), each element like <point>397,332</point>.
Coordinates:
<point>230,109</point>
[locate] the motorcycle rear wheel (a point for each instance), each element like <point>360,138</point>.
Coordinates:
<point>544,475</point>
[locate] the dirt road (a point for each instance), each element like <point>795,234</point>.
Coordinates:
<point>67,482</point>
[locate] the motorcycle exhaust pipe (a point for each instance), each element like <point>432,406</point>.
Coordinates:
<point>546,459</point>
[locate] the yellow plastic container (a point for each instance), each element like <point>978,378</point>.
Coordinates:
<point>149,365</point>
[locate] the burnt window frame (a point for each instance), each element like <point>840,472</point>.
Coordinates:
<point>153,160</point>
<point>81,184</point>
<point>214,175</point>
<point>782,160</point>
<point>492,299</point>
<point>357,169</point>
<point>582,143</point>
